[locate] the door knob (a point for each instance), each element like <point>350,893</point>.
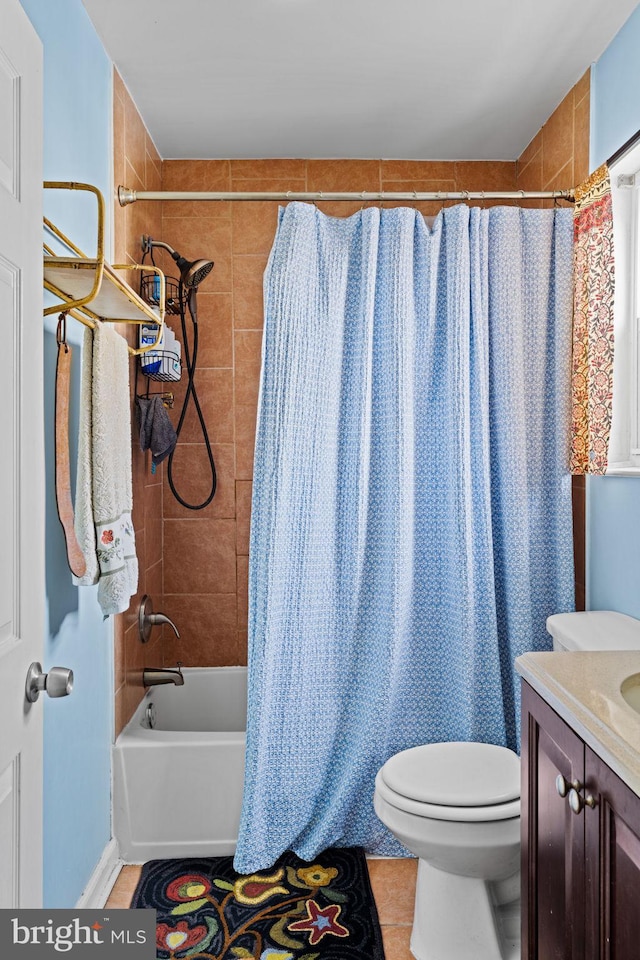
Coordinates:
<point>563,786</point>
<point>58,682</point>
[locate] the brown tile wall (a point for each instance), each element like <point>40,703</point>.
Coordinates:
<point>137,164</point>
<point>556,159</point>
<point>558,156</point>
<point>195,564</point>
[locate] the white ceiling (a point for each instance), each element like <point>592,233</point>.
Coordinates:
<point>406,79</point>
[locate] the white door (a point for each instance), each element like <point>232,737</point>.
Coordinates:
<point>21,457</point>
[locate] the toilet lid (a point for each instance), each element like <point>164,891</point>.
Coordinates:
<point>455,774</point>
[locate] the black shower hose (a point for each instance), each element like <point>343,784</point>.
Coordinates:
<point>190,364</point>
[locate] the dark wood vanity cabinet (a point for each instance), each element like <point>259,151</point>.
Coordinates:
<point>580,852</point>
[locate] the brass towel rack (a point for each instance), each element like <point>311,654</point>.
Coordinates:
<point>89,289</point>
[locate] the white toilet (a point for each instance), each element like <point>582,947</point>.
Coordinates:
<point>594,630</point>
<point>456,806</point>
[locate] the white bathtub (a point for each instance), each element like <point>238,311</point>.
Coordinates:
<point>177,788</point>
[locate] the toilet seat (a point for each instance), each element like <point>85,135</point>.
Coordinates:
<point>453,781</point>
<point>498,811</point>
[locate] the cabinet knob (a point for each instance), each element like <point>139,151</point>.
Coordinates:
<point>577,803</point>
<point>563,786</point>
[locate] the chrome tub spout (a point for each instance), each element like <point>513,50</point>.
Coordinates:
<point>153,676</point>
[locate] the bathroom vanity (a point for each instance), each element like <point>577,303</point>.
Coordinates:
<point>580,806</point>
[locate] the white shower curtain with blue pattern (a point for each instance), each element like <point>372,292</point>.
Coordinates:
<point>411,522</point>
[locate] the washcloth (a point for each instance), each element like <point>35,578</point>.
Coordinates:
<point>157,433</point>
<point>104,495</point>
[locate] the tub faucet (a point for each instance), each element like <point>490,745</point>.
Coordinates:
<point>154,676</point>
<point>148,619</point>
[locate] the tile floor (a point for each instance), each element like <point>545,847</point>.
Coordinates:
<point>393,883</point>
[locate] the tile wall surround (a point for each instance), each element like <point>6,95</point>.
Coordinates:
<point>208,597</point>
<point>195,564</point>
<point>137,163</point>
<point>558,156</point>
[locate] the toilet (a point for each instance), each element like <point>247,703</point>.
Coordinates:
<point>456,806</point>
<point>594,630</point>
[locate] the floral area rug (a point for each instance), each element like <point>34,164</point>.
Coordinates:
<point>295,911</point>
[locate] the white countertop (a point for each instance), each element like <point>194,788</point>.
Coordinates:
<point>584,689</point>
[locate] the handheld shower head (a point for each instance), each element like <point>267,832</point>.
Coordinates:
<point>192,272</point>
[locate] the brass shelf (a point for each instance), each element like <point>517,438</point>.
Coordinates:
<point>89,288</point>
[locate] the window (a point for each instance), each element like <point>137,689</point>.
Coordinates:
<point>624,446</point>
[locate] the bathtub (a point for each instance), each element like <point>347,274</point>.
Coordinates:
<point>178,768</point>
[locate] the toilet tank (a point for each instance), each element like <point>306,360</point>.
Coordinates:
<point>594,630</point>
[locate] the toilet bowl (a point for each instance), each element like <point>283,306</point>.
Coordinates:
<point>456,806</point>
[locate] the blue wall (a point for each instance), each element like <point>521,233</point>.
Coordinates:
<point>613,503</point>
<point>615,92</point>
<point>78,729</point>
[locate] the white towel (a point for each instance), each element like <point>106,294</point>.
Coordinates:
<point>103,485</point>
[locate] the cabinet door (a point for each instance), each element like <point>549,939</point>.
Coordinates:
<point>612,838</point>
<point>553,877</point>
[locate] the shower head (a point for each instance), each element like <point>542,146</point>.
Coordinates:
<point>192,272</point>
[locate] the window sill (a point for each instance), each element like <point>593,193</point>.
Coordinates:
<point>622,470</point>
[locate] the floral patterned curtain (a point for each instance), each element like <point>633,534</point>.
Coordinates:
<point>592,372</point>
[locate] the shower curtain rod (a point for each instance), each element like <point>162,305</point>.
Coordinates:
<point>126,195</point>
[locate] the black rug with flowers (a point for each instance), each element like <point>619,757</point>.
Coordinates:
<point>295,911</point>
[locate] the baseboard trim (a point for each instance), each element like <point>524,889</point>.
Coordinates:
<point>102,879</point>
